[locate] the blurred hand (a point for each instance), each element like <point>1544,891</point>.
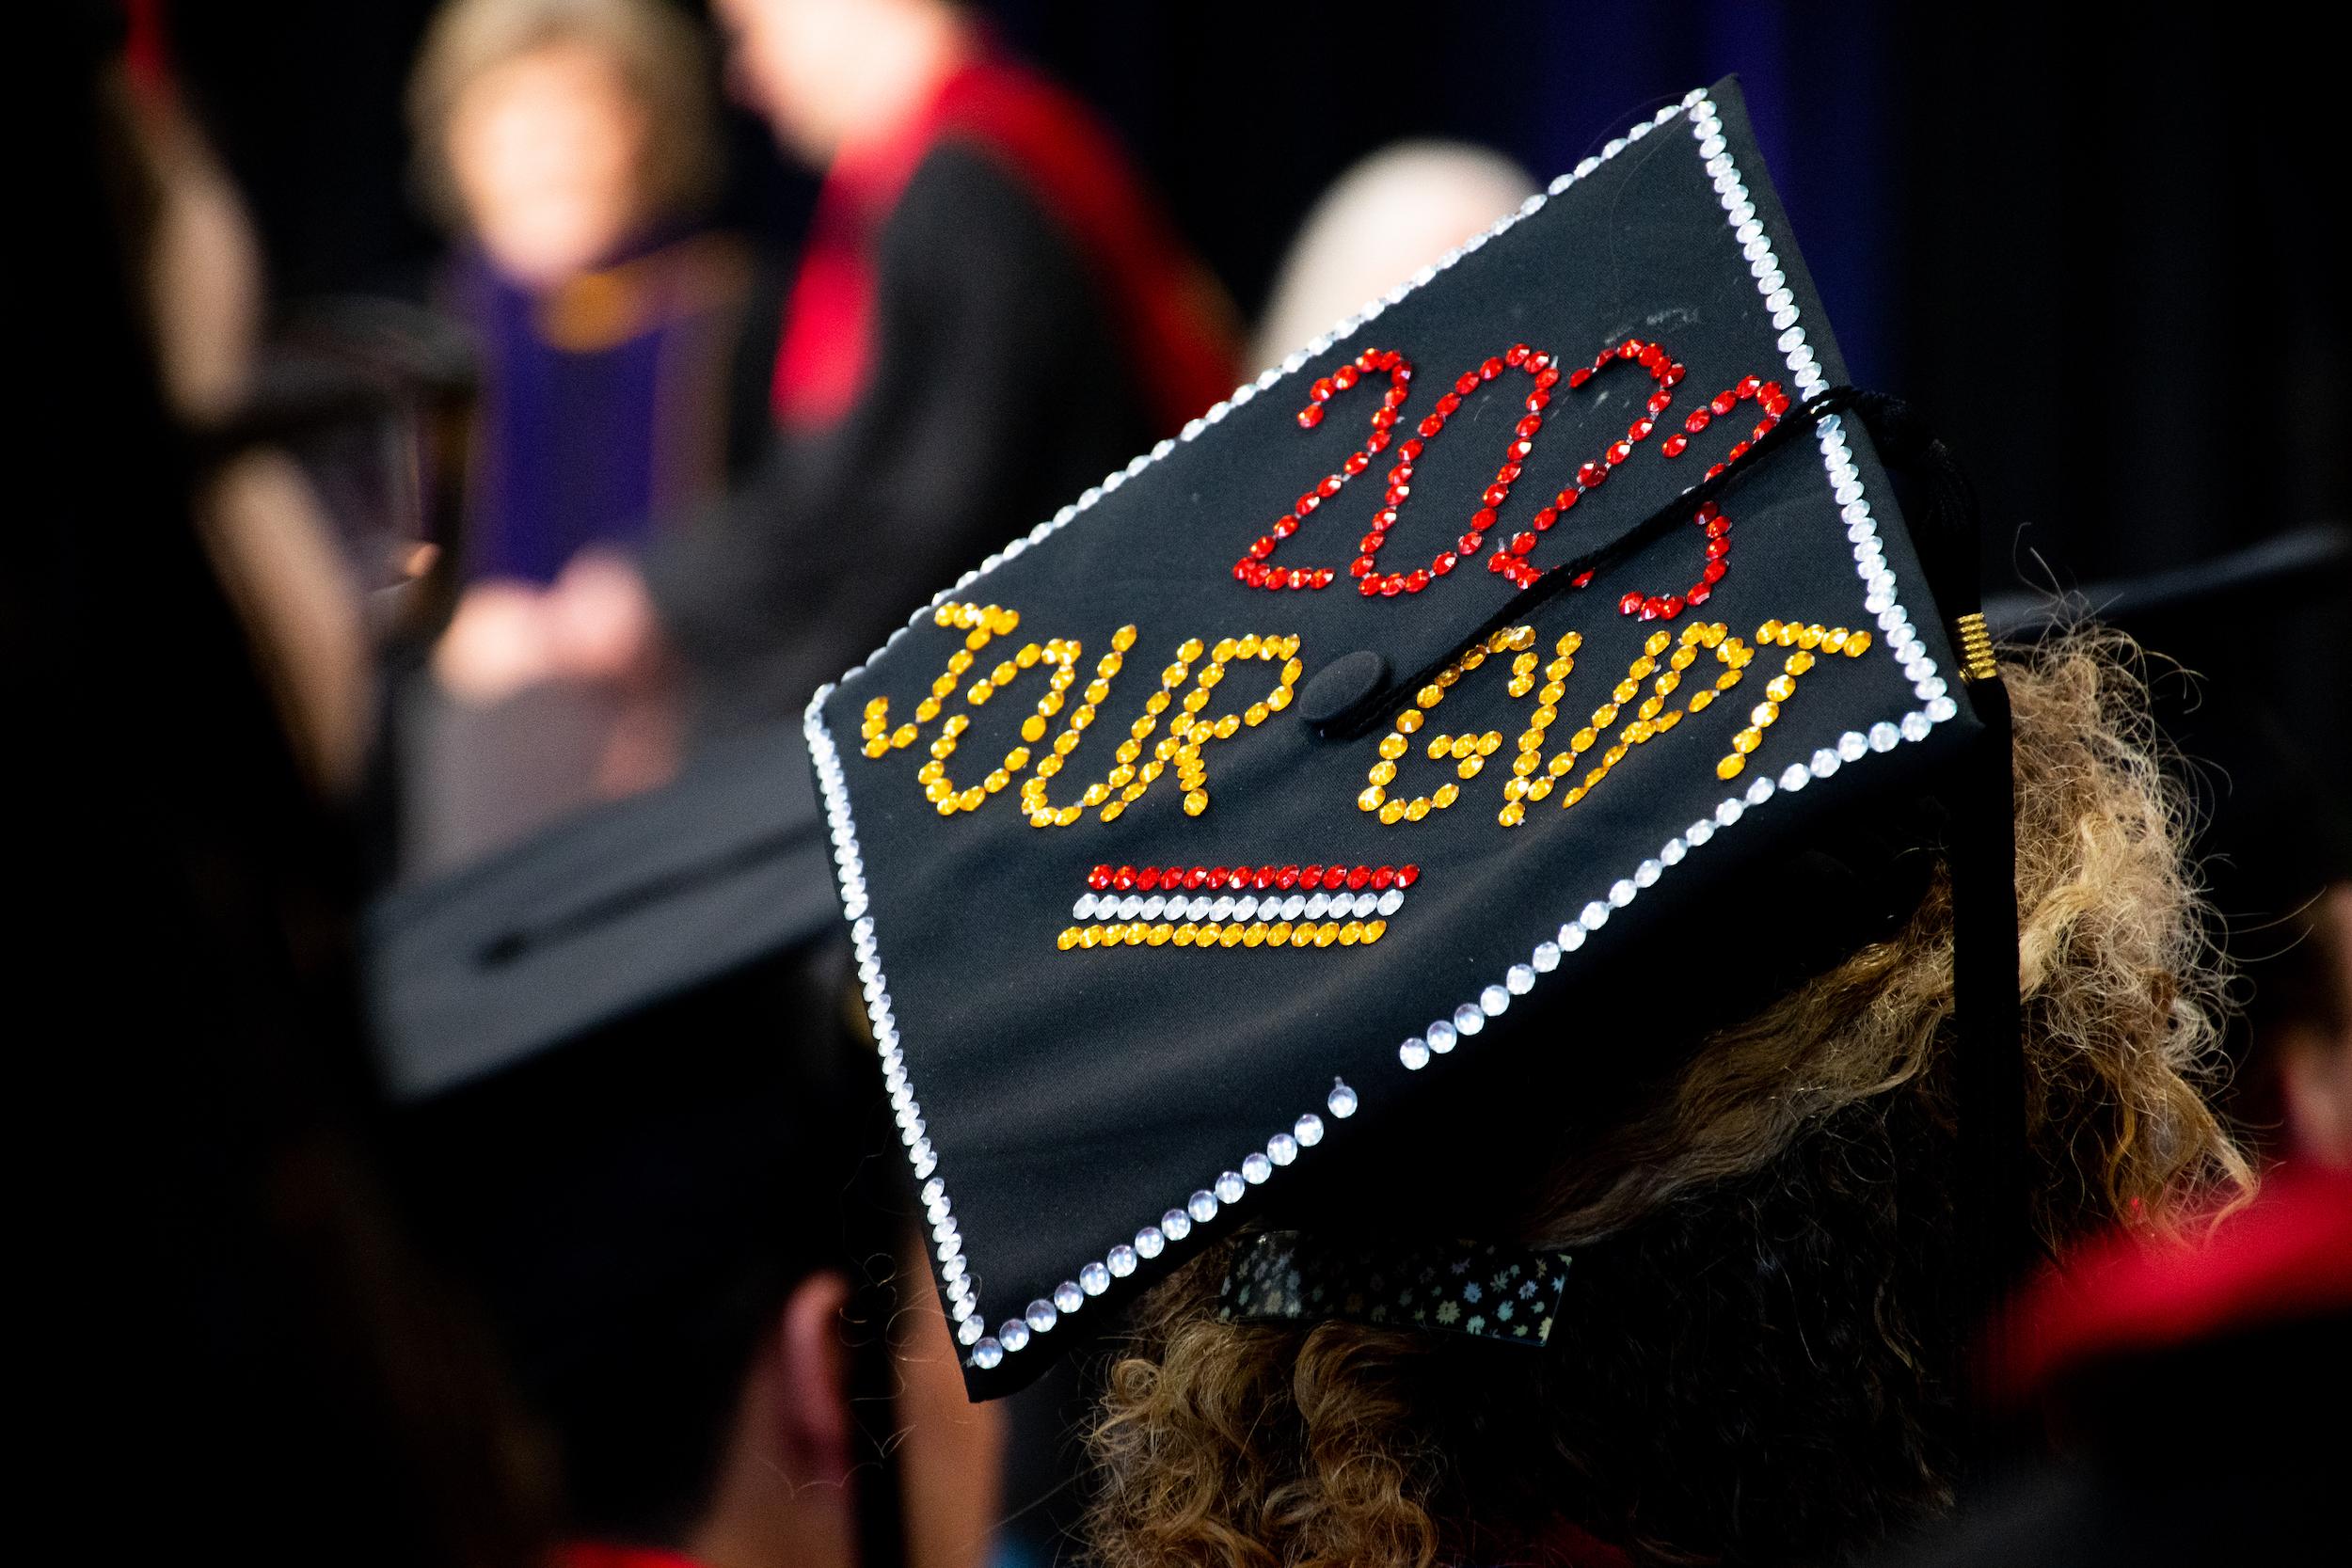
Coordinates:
<point>501,641</point>
<point>601,624</point>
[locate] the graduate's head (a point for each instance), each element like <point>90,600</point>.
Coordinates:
<point>1550,999</point>
<point>638,1130</point>
<point>1758,1349</point>
<point>832,75</point>
<point>553,131</point>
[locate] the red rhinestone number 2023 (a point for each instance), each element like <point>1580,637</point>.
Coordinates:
<point>1509,560</point>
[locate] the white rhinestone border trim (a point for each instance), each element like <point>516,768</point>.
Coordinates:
<point>1039,1317</point>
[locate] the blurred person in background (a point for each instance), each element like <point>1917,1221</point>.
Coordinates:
<point>570,144</point>
<point>2299,1073</point>
<point>237,1351</point>
<point>989,317</point>
<point>2194,1390</point>
<point>674,1186</point>
<point>1392,214</point>
<point>571,147</point>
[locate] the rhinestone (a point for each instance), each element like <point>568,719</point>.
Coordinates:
<point>1201,1206</point>
<point>1067,1298</point>
<point>1546,957</point>
<point>1672,852</point>
<point>1571,937</point>
<point>1342,1100</point>
<point>1941,707</point>
<point>987,1354</point>
<point>1621,892</point>
<point>1391,901</point>
<point>1494,1000</point>
<point>1319,906</point>
<point>1442,1036</point>
<point>1152,906</point>
<point>1647,873</point>
<point>1759,792</point>
<point>1884,737</point>
<point>1596,915</point>
<point>1014,1334</point>
<point>968,1331</point>
<point>1122,1260</point>
<point>1282,1149</point>
<point>1130,906</point>
<point>1310,1129</point>
<point>1728,813</point>
<point>1916,725</point>
<point>1256,1169</point>
<point>1176,1224</point>
<point>1222,908</point>
<point>1246,908</point>
<point>1229,1187</point>
<point>1148,1242</point>
<point>1295,906</point>
<point>1852,745</point>
<point>1414,1053</point>
<point>1095,1279</point>
<point>1468,1020</point>
<point>1084,908</point>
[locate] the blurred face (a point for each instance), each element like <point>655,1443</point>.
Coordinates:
<point>547,150</point>
<point>798,63</point>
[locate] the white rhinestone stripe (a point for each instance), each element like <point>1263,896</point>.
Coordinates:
<point>1225,906</point>
<point>988,1350</point>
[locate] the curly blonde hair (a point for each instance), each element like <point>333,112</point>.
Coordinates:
<point>1757,1358</point>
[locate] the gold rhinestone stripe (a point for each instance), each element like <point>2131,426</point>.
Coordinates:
<point>1232,933</point>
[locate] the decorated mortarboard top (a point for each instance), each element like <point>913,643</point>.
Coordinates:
<point>1187,842</point>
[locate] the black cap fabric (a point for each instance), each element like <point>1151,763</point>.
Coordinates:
<point>1095,1074</point>
<point>609,914</point>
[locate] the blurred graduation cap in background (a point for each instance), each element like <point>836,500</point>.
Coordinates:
<point>2248,683</point>
<point>1317,822</point>
<point>632,1114</point>
<point>605,916</point>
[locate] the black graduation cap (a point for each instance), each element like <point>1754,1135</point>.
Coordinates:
<point>606,915</point>
<point>1208,851</point>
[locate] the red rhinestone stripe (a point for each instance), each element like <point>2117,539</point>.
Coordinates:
<point>1256,879</point>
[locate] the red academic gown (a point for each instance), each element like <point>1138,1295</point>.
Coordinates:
<point>991,316</point>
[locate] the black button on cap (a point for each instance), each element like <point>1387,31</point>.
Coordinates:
<point>1342,686</point>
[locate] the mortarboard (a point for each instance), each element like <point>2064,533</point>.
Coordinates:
<point>603,916</point>
<point>1352,790</point>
